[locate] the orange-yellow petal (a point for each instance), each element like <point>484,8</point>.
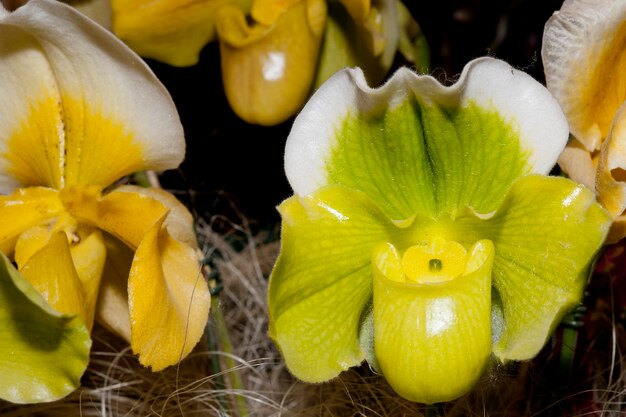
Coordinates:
<point>179,221</point>
<point>585,65</point>
<point>268,70</point>
<point>126,215</point>
<point>611,176</point>
<point>51,271</point>
<point>168,298</point>
<point>25,209</point>
<point>170,31</point>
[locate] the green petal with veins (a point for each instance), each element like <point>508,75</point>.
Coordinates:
<point>321,282</point>
<point>418,158</point>
<point>546,235</point>
<point>43,353</point>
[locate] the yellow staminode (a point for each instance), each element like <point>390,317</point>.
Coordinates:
<point>440,261</point>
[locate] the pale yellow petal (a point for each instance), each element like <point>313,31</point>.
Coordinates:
<point>585,64</point>
<point>169,300</point>
<point>25,209</point>
<point>51,271</point>
<point>179,221</point>
<point>88,108</point>
<point>126,215</point>
<point>268,71</point>
<point>98,10</point>
<point>576,161</point>
<point>112,309</point>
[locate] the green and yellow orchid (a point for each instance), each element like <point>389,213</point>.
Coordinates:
<point>424,235</point>
<point>79,111</point>
<point>585,62</point>
<point>273,52</point>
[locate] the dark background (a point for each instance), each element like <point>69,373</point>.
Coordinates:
<point>234,169</point>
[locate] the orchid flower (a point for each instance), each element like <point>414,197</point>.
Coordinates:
<point>273,53</point>
<point>79,111</point>
<point>424,235</point>
<point>270,66</point>
<point>585,62</point>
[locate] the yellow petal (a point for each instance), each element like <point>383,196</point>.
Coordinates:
<point>585,65</point>
<point>267,12</point>
<point>25,209</point>
<point>126,215</point>
<point>577,162</point>
<point>51,271</point>
<point>169,31</point>
<point>112,309</point>
<point>89,256</point>
<point>179,221</point>
<point>611,176</point>
<point>169,300</point>
<point>85,111</point>
<point>30,242</point>
<point>268,71</point>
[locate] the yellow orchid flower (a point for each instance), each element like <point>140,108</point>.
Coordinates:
<point>585,62</point>
<point>270,66</point>
<point>79,111</point>
<point>273,52</point>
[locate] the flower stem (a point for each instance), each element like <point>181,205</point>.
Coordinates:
<point>232,376</point>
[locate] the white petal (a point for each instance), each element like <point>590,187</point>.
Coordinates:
<point>86,81</point>
<point>492,84</point>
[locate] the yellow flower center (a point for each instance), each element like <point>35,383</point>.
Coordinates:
<point>440,261</point>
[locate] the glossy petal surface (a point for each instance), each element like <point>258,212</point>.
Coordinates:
<point>545,234</point>
<point>179,221</point>
<point>433,341</point>
<point>169,299</point>
<point>24,209</point>
<point>52,273</point>
<point>115,212</point>
<point>322,280</point>
<point>42,353</point>
<point>268,70</point>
